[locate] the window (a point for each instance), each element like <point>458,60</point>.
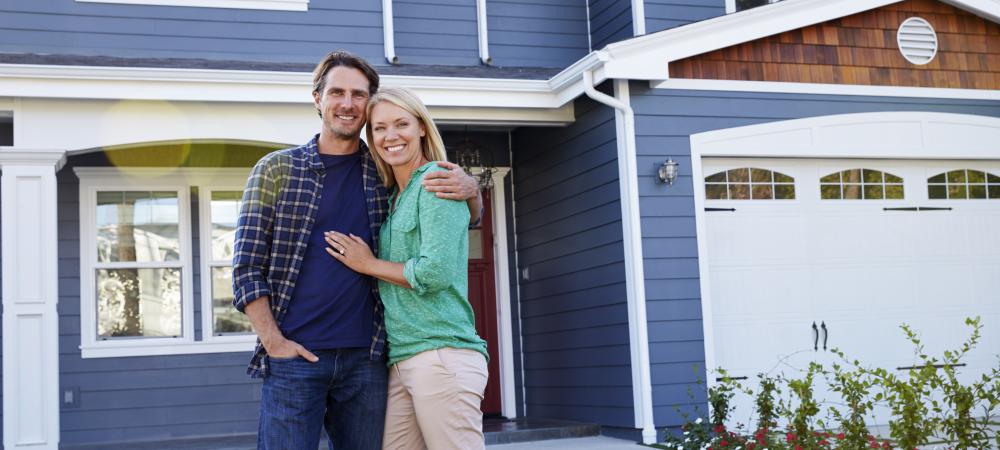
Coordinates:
<point>749,183</point>
<point>861,184</point>
<point>137,292</point>
<point>963,184</point>
<point>277,5</point>
<point>747,4</point>
<point>219,208</point>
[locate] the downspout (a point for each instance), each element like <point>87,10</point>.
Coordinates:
<point>638,17</point>
<point>388,33</point>
<point>484,41</point>
<point>632,236</point>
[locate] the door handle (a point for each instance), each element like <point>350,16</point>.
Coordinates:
<point>815,337</point>
<point>826,333</point>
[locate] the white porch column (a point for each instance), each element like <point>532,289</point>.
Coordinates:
<point>30,320</point>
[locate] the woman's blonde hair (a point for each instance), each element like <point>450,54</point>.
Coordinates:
<point>431,143</point>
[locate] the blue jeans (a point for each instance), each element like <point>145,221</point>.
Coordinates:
<point>344,392</point>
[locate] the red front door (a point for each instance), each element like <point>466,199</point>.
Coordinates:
<point>482,296</point>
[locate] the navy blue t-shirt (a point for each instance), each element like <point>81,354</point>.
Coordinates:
<point>331,305</point>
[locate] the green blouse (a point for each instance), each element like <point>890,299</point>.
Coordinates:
<point>430,237</point>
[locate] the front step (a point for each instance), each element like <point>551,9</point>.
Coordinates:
<point>508,431</point>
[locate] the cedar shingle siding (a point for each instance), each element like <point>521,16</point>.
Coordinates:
<point>862,49</point>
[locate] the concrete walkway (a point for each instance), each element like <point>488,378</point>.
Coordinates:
<point>586,443</point>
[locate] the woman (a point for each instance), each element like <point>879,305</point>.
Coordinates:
<point>437,363</point>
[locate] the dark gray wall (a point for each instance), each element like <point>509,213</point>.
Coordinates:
<point>436,32</point>
<point>537,33</point>
<point>139,31</point>
<point>610,21</point>
<point>665,120</point>
<point>141,398</point>
<point>664,14</point>
<point>574,319</point>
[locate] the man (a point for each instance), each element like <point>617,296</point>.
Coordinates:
<point>321,335</point>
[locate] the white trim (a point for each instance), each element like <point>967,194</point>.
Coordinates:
<point>388,32</point>
<point>638,17</point>
<point>919,135</point>
<point>179,180</point>
<point>730,6</point>
<point>167,348</point>
<point>483,28</point>
<point>825,89</point>
<point>900,135</point>
<point>508,398</point>
<point>271,5</point>
<point>501,280</point>
<point>212,85</point>
<point>30,297</point>
<point>21,157</point>
<point>228,180</point>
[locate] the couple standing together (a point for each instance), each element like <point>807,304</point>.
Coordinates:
<point>328,312</point>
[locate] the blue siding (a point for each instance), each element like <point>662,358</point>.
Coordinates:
<point>537,33</point>
<point>665,121</point>
<point>610,21</point>
<point>574,318</point>
<point>139,31</point>
<point>436,32</point>
<point>143,398</point>
<point>664,14</point>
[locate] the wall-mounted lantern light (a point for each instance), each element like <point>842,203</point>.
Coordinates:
<point>668,171</point>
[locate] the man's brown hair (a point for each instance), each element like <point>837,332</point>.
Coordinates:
<point>346,59</point>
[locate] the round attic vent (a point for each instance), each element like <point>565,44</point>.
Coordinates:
<point>917,41</point>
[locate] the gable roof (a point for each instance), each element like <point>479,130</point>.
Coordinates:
<point>648,57</point>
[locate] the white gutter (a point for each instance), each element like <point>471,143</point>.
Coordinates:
<point>642,389</point>
<point>638,17</point>
<point>484,41</point>
<point>388,33</point>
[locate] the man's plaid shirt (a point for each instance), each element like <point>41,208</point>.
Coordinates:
<point>279,208</point>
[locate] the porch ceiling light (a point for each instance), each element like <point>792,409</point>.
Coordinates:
<point>475,160</point>
<point>668,171</point>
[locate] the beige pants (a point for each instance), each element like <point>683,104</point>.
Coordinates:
<point>434,400</point>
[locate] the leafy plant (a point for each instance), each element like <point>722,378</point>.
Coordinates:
<point>854,387</point>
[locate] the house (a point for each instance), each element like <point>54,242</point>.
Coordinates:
<point>837,173</point>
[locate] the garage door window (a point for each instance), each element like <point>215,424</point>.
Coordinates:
<point>749,183</point>
<point>861,184</point>
<point>963,184</point>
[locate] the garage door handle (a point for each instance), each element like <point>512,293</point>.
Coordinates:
<point>918,208</point>
<point>730,378</point>
<point>720,209</point>
<point>826,333</point>
<point>815,337</point>
<point>936,366</point>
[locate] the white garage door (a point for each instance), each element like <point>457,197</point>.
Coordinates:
<point>856,247</point>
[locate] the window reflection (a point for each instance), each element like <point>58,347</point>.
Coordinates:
<point>137,226</point>
<point>861,184</point>
<point>224,209</point>
<point>138,302</point>
<point>749,183</point>
<point>963,184</point>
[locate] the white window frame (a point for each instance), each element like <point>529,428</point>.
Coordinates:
<point>94,179</point>
<point>270,5</point>
<point>231,180</point>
